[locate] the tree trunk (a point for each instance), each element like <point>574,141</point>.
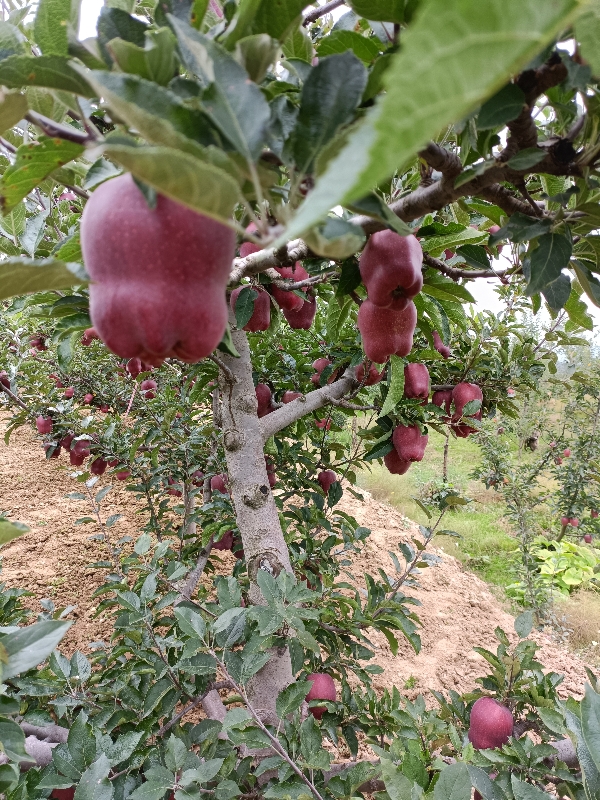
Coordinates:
<point>445,467</point>
<point>255,509</point>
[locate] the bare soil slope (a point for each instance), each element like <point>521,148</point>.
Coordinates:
<point>458,611</point>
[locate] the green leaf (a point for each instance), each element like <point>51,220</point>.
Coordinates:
<point>12,109</point>
<point>12,41</point>
<point>196,184</point>
<point>298,45</point>
<point>525,791</point>
<point>435,245</point>
<point>244,306</point>
<point>12,740</point>
<point>115,23</point>
<point>10,530</point>
<point>335,238</point>
<point>277,17</point>
<point>337,314</point>
<point>291,698</point>
<point>155,61</point>
<point>503,107</point>
<point>232,101</point>
<point>33,163</point>
<point>578,313</point>
<point>94,783</point>
<point>204,773</point>
<point>51,27</point>
<point>190,621</point>
<point>482,783</point>
<point>226,344</point>
<point>557,293</point>
<point>548,260</point>
<point>397,785</point>
<point>379,10</point>
<point>28,647</point>
<point>330,95</point>
<point>587,33</point>
<point>589,283</point>
<point>365,49</point>
<point>396,385</point>
<point>472,49</point>
<point>590,723</point>
<point>51,72</point>
<point>374,206</point>
<point>525,159</point>
<point>475,256</point>
<point>350,278</point>
<point>20,276</point>
<point>454,783</point>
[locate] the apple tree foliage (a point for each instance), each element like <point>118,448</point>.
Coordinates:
<point>473,125</point>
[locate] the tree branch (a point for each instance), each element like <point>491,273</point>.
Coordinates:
<point>59,131</point>
<point>456,274</point>
<point>290,412</point>
<point>13,397</point>
<point>313,16</point>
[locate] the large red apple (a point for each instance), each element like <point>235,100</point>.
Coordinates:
<point>462,394</point>
<point>148,388</point>
<point>303,318</point>
<point>385,331</point>
<point>491,724</point>
<point>409,442</point>
<point>225,542</point>
<point>218,484</point>
<point>319,365</point>
<point>44,424</point>
<point>264,398</point>
<point>443,399</point>
<point>158,274</point>
<point>286,300</point>
<point>395,465</point>
<point>323,688</point>
<point>261,314</point>
<point>390,267</point>
<point>98,466</point>
<point>326,479</point>
<point>288,397</point>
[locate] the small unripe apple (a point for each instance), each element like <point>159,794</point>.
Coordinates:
<point>594,513</point>
<point>373,377</point>
<point>217,484</point>
<point>566,452</point>
<point>587,538</point>
<point>323,688</point>
<point>326,479</point>
<point>261,315</point>
<point>52,450</point>
<point>289,397</point>
<point>491,724</point>
<point>44,424</point>
<point>69,392</point>
<point>416,381</point>
<point>442,349</point>
<point>390,267</point>
<point>158,275</point>
<point>98,466</point>
<point>147,387</point>
<point>88,336</point>
<point>409,442</point>
<point>88,399</point>
<point>225,542</point>
<point>395,465</point>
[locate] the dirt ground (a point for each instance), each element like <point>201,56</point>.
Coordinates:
<point>458,610</point>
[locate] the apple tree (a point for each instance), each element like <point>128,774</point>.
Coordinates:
<point>237,247</point>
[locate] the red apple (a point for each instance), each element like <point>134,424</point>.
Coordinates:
<point>462,394</point>
<point>409,442</point>
<point>373,377</point>
<point>574,522</point>
<point>67,440</point>
<point>558,460</point>
<point>69,392</point>
<point>319,365</point>
<point>88,399</point>
<point>52,450</point>
<point>106,409</point>
<point>564,521</point>
<point>261,315</point>
<point>491,724</point>
<point>264,398</point>
<point>63,794</point>
<point>566,452</point>
<point>305,316</point>
<point>158,274</point>
<point>218,484</point>
<point>587,538</point>
<point>288,397</point>
<point>386,331</point>
<point>390,267</point>
<point>44,424</point>
<point>225,542</point>
<point>286,300</point>
<point>594,514</point>
<point>4,379</point>
<point>323,424</point>
<point>88,336</point>
<point>395,465</point>
<point>443,399</point>
<point>326,479</point>
<point>416,381</point>
<point>174,492</point>
<point>38,342</point>
<point>442,349</point>
<point>123,474</point>
<point>98,466</point>
<point>323,688</point>
<point>147,387</point>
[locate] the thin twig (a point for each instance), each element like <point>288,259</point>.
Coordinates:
<point>13,397</point>
<point>312,16</point>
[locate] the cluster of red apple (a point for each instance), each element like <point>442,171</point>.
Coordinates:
<point>409,443</point>
<point>390,267</point>
<point>78,449</point>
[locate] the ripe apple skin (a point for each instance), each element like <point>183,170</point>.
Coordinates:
<point>88,399</point>
<point>288,301</point>
<point>566,452</point>
<point>462,394</point>
<point>390,267</point>
<point>323,424</point>
<point>76,459</point>
<point>442,349</point>
<point>395,465</point>
<point>4,379</point>
<point>55,450</point>
<point>409,442</point>
<point>416,381</point>
<point>564,521</point>
<point>289,397</point>
<point>69,392</point>
<point>491,724</point>
<point>587,538</point>
<point>594,513</point>
<point>443,399</point>
<point>323,688</point>
<point>373,377</point>
<point>217,484</point>
<point>319,365</point>
<point>574,522</point>
<point>98,466</point>
<point>123,474</point>
<point>44,424</point>
<point>88,336</point>
<point>261,315</point>
<point>326,479</point>
<point>147,387</point>
<point>303,319</point>
<point>385,331</point>
<point>225,542</point>
<point>264,398</point>
<point>158,275</point>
